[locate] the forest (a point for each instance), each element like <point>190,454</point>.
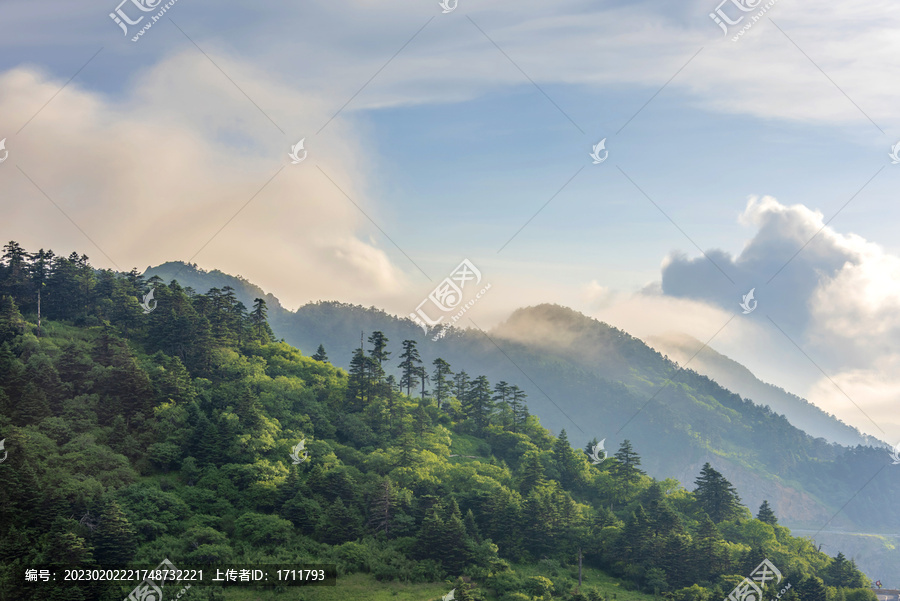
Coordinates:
<point>141,429</point>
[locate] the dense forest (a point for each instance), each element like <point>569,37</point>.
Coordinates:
<point>145,421</point>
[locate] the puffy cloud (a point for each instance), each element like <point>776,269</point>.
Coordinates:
<point>838,298</point>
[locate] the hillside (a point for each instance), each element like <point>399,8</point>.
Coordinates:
<point>597,381</point>
<point>737,378</point>
<point>188,433</point>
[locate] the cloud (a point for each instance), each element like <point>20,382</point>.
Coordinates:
<point>185,166</point>
<point>836,296</point>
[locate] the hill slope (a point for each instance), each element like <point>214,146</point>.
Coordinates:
<point>737,378</point>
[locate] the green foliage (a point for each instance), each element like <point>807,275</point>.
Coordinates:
<point>136,436</point>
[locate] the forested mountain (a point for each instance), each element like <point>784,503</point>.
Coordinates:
<point>138,430</point>
<point>737,378</point>
<point>597,381</point>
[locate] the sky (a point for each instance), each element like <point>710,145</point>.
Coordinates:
<point>429,137</point>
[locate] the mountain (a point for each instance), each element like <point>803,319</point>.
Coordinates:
<point>186,436</point>
<point>734,376</point>
<point>598,382</point>
<point>201,281</point>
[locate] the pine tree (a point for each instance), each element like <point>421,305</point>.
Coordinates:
<point>441,381</point>
<point>39,270</point>
<point>716,496</point>
<point>532,473</point>
<point>358,381</point>
<point>12,324</point>
<point>461,385</point>
<point>627,464</point>
<point>477,405</point>
<point>766,514</point>
<point>258,319</point>
<point>519,408</point>
<point>115,538</point>
<point>320,354</point>
<point>409,366</point>
<point>812,589</point>
<point>379,345</point>
<point>382,519</point>
<point>565,460</point>
<point>339,524</point>
<point>430,536</point>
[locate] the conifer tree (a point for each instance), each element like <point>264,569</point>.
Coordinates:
<point>716,496</point>
<point>627,464</point>
<point>519,408</point>
<point>532,473</point>
<point>440,381</point>
<point>565,459</point>
<point>115,538</point>
<point>766,514</point>
<point>379,350</point>
<point>477,405</point>
<point>320,354</point>
<point>409,366</point>
<point>383,503</point>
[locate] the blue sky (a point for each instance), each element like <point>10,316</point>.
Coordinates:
<point>444,151</point>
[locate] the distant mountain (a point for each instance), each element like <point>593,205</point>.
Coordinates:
<point>735,377</point>
<point>201,281</point>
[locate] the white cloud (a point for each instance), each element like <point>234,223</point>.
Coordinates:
<point>838,300</point>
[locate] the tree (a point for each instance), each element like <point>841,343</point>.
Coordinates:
<point>532,473</point>
<point>114,540</point>
<point>477,405</point>
<point>12,324</point>
<point>566,461</point>
<point>382,519</point>
<point>339,524</point>
<point>39,270</point>
<point>379,344</point>
<point>716,496</point>
<point>518,406</point>
<point>360,383</point>
<point>258,318</point>
<point>766,514</point>
<point>461,385</point>
<point>423,377</point>
<point>627,464</point>
<point>440,381</point>
<point>812,589</point>
<point>409,365</point>
<point>320,354</point>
